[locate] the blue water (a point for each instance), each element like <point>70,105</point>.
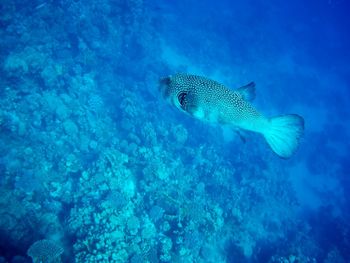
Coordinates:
<point>95,166</point>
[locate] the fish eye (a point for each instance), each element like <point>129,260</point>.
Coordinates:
<point>181,98</point>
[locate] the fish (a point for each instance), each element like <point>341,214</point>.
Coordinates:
<point>210,101</point>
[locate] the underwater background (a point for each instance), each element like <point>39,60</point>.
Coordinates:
<point>95,166</point>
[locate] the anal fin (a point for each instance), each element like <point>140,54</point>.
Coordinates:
<point>241,136</point>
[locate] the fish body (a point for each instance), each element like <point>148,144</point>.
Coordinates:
<point>210,101</point>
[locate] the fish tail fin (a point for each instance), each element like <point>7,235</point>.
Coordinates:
<point>284,133</point>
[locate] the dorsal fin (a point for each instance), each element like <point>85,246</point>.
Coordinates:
<point>248,91</point>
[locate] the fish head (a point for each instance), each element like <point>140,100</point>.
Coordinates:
<point>176,92</point>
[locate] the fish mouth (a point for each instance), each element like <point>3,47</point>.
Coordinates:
<point>163,86</point>
<point>164,80</point>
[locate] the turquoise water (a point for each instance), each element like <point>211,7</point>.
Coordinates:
<point>95,166</point>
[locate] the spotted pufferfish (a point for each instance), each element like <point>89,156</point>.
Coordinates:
<point>210,101</point>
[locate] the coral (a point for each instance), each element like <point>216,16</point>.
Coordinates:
<point>156,213</point>
<point>133,225</point>
<point>70,128</point>
<point>16,63</point>
<point>149,134</point>
<point>45,251</point>
<point>51,74</point>
<point>91,156</point>
<point>166,246</point>
<point>30,59</point>
<point>95,103</point>
<point>180,134</point>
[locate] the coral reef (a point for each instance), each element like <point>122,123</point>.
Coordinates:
<point>94,168</point>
